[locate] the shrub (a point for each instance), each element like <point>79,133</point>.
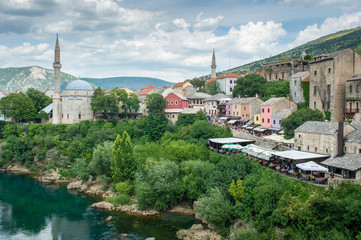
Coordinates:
<point>124,187</point>
<point>120,199</point>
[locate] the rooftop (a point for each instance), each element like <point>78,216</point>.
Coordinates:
<point>191,110</point>
<point>272,101</point>
<point>349,161</point>
<point>299,155</point>
<point>79,85</point>
<point>327,56</point>
<point>216,97</point>
<point>299,74</point>
<point>229,140</point>
<point>143,91</point>
<point>318,127</point>
<point>282,113</point>
<point>198,95</point>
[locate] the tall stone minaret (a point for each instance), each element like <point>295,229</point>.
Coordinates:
<point>213,66</point>
<point>56,96</point>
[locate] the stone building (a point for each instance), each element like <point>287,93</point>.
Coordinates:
<point>352,96</point>
<point>296,91</point>
<point>283,70</point>
<point>272,106</point>
<point>196,100</point>
<point>211,104</point>
<point>73,104</point>
<point>328,76</point>
<point>321,137</point>
<point>352,142</point>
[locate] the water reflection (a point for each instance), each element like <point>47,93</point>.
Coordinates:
<point>32,210</point>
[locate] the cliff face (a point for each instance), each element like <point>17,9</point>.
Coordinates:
<point>22,78</point>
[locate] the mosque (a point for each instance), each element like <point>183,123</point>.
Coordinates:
<point>72,105</point>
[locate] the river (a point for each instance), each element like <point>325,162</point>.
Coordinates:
<point>33,210</point>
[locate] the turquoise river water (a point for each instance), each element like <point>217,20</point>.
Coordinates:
<point>33,210</point>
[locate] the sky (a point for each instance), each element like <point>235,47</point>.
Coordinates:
<point>167,39</point>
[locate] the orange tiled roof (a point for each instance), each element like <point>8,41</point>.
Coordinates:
<point>143,91</point>
<point>179,84</point>
<point>211,80</point>
<point>149,87</point>
<point>259,73</point>
<point>229,75</point>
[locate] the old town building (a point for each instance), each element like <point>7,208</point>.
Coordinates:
<point>283,70</point>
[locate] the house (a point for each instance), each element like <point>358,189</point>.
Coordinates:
<point>352,142</point>
<point>283,70</point>
<point>352,96</point>
<point>184,88</point>
<point>328,76</point>
<point>347,166</point>
<point>175,104</point>
<point>243,108</point>
<point>296,91</point>
<point>227,82</point>
<point>272,106</point>
<point>195,100</point>
<point>278,116</point>
<point>322,137</point>
<point>210,104</point>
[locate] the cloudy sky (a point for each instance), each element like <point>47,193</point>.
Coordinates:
<point>167,39</point>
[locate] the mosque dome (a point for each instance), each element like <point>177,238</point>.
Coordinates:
<point>79,85</point>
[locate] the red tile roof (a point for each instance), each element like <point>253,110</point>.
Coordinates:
<point>229,75</point>
<point>149,87</point>
<point>143,91</point>
<point>211,80</point>
<point>259,73</point>
<point>179,84</point>
<point>306,79</point>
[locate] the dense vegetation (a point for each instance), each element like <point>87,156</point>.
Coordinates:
<point>178,167</point>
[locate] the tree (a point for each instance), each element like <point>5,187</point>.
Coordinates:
<point>308,57</point>
<point>127,101</point>
<point>105,104</point>
<point>97,92</point>
<point>189,119</point>
<point>236,190</point>
<point>299,117</point>
<point>250,85</point>
<point>155,105</point>
<point>198,83</point>
<point>277,88</point>
<point>123,164</point>
<point>39,99</point>
<point>19,106</point>
<point>101,161</point>
<point>212,88</point>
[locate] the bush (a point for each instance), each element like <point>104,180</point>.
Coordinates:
<point>215,208</point>
<point>124,187</point>
<point>120,199</point>
<point>100,163</point>
<point>248,233</point>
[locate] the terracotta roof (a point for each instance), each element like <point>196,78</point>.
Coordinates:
<point>307,79</point>
<point>143,91</point>
<point>179,84</point>
<point>149,87</point>
<point>211,80</point>
<point>229,75</point>
<point>259,73</point>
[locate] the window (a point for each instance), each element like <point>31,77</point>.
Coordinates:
<point>244,108</point>
<point>79,116</point>
<point>268,110</point>
<point>229,112</point>
<point>263,110</point>
<point>357,88</point>
<point>323,104</point>
<point>274,121</point>
<point>230,89</point>
<point>350,88</point>
<point>176,102</point>
<point>315,73</point>
<point>257,120</point>
<point>315,149</point>
<point>314,105</point>
<point>242,115</point>
<point>235,106</point>
<point>326,150</point>
<point>171,102</point>
<point>167,102</point>
<point>359,151</point>
<point>329,89</point>
<point>172,116</point>
<point>299,148</point>
<point>308,148</point>
<point>276,76</point>
<point>233,113</point>
<point>329,70</point>
<point>314,90</point>
<point>67,116</point>
<point>263,120</point>
<point>268,120</point>
<point>167,116</point>
<point>246,115</point>
<point>345,149</point>
<point>230,81</point>
<point>237,113</point>
<point>299,135</point>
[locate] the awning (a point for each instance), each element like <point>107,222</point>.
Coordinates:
<point>232,121</point>
<point>274,129</point>
<point>223,118</point>
<point>311,166</point>
<point>250,127</point>
<point>242,120</point>
<point>259,129</point>
<point>259,152</point>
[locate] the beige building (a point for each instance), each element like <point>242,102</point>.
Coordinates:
<point>283,70</point>
<point>320,137</point>
<point>352,142</point>
<point>210,104</point>
<point>328,76</point>
<point>73,104</point>
<point>196,100</point>
<point>352,97</point>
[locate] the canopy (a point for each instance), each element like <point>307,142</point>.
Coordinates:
<point>259,152</point>
<point>223,118</point>
<point>311,166</point>
<point>232,121</point>
<point>236,147</point>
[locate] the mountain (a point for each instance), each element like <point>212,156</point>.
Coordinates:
<point>348,39</point>
<point>20,79</point>
<point>132,83</point>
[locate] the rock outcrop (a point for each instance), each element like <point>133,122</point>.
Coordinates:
<point>50,176</point>
<point>197,232</point>
<point>103,205</point>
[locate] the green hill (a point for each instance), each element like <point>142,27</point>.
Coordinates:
<point>326,44</point>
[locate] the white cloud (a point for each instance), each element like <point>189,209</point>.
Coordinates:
<point>207,24</point>
<point>330,25</point>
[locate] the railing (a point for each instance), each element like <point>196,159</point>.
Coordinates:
<point>351,110</point>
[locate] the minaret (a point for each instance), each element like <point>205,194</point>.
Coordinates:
<point>56,96</point>
<point>213,66</point>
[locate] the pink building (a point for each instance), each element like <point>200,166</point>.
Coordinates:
<point>271,106</point>
<point>175,104</point>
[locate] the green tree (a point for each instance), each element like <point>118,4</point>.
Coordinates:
<point>101,161</point>
<point>127,101</point>
<point>212,88</point>
<point>299,117</point>
<point>19,106</point>
<point>308,57</point>
<point>98,91</point>
<point>198,83</point>
<point>39,99</point>
<point>250,85</point>
<point>277,88</point>
<point>123,164</point>
<point>236,190</point>
<point>155,105</point>
<point>106,104</point>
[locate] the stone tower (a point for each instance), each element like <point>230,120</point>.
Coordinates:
<point>56,96</point>
<point>213,66</point>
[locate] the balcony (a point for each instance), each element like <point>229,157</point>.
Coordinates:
<point>351,110</point>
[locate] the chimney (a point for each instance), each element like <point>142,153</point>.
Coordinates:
<point>340,139</point>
